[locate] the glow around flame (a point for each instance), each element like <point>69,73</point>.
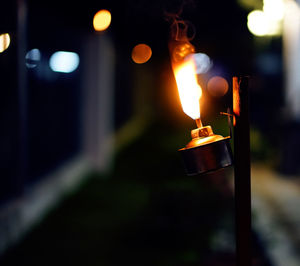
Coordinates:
<point>188,87</point>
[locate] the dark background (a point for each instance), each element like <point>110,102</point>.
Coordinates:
<point>145,211</point>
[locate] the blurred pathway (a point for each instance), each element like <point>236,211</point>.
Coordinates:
<point>276,214</point>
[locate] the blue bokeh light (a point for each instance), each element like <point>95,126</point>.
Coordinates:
<point>32,58</point>
<point>65,62</point>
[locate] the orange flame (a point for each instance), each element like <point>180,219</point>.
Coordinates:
<point>188,87</point>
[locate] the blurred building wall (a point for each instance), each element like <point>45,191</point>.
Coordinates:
<point>61,125</point>
<point>290,157</point>
<point>98,88</point>
<point>291,46</point>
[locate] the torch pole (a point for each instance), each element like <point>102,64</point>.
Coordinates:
<point>242,171</point>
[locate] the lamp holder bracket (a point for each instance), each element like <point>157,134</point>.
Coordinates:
<point>230,120</point>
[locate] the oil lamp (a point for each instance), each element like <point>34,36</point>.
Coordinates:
<point>206,151</point>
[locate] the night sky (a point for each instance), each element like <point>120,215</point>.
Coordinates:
<point>220,26</point>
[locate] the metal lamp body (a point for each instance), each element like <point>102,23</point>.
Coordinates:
<point>206,152</point>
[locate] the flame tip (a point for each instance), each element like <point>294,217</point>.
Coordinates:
<point>188,87</point>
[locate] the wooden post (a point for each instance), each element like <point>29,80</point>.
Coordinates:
<point>242,171</point>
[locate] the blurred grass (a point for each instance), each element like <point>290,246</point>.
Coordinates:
<point>146,212</point>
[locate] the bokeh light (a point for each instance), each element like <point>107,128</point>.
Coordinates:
<point>258,23</point>
<point>202,62</point>
<point>65,62</point>
<point>274,9</point>
<point>217,86</point>
<point>267,22</point>
<point>32,58</point>
<point>141,53</point>
<point>102,20</point>
<point>4,42</point>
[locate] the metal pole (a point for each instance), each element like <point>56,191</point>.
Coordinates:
<point>242,171</point>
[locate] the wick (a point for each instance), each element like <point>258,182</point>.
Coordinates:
<point>199,123</point>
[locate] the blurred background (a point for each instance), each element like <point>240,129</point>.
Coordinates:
<point>91,123</point>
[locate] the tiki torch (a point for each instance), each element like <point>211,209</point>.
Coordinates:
<point>206,151</point>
